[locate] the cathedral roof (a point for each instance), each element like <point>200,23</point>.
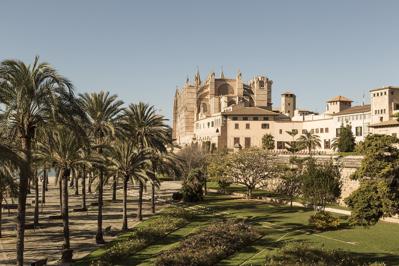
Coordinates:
<point>249,111</point>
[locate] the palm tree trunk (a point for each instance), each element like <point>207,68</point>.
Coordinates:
<point>84,207</point>
<point>44,182</point>
<point>99,235</point>
<point>140,202</point>
<point>77,185</point>
<point>36,213</point>
<point>90,182</point>
<point>60,190</point>
<point>23,186</point>
<point>65,215</point>
<point>114,184</point>
<point>47,180</point>
<point>1,206</point>
<point>124,224</point>
<point>153,198</point>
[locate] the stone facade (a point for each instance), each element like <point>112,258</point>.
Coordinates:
<point>222,113</point>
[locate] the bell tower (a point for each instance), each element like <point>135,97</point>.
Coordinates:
<point>262,89</point>
<point>288,103</point>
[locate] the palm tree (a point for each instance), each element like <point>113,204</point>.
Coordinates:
<point>129,162</point>
<point>148,129</point>
<point>310,141</point>
<point>63,148</point>
<point>104,112</point>
<point>163,164</point>
<point>30,95</point>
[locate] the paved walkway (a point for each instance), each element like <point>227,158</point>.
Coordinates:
<point>46,240</point>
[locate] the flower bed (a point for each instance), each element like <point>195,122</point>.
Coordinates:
<point>145,234</point>
<point>300,254</point>
<point>210,244</point>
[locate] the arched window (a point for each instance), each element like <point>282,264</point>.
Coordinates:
<point>225,89</point>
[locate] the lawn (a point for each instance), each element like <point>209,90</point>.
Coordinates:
<point>281,224</point>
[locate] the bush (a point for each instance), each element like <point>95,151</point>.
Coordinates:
<point>324,221</point>
<point>210,245</point>
<point>300,254</point>
<point>192,189</point>
<point>177,196</point>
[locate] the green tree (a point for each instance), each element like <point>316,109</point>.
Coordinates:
<point>310,141</point>
<point>321,184</point>
<point>193,157</point>
<point>268,142</point>
<point>377,195</point>
<point>345,142</point>
<point>371,201</point>
<point>253,168</point>
<point>217,170</point>
<point>291,179</point>
<point>31,94</point>
<point>104,114</point>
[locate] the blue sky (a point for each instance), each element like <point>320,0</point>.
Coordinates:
<point>142,50</point>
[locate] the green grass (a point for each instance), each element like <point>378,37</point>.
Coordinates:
<point>237,188</point>
<point>281,224</point>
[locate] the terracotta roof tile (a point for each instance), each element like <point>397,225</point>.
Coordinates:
<point>356,109</point>
<point>249,111</point>
<point>389,123</point>
<point>339,98</point>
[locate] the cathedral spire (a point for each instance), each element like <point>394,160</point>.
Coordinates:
<point>197,78</point>
<point>239,75</point>
<point>222,74</point>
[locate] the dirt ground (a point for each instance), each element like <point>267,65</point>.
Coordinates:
<point>46,240</point>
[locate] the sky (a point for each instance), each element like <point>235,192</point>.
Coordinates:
<point>142,50</point>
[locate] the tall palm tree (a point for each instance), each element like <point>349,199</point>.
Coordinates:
<point>30,95</point>
<point>63,148</point>
<point>129,162</point>
<point>104,112</point>
<point>310,141</point>
<point>149,130</point>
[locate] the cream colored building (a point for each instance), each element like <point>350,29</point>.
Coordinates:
<point>223,113</point>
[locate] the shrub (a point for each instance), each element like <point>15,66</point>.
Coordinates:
<point>146,233</point>
<point>177,196</point>
<point>192,189</point>
<point>210,245</point>
<point>300,254</point>
<point>324,221</point>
